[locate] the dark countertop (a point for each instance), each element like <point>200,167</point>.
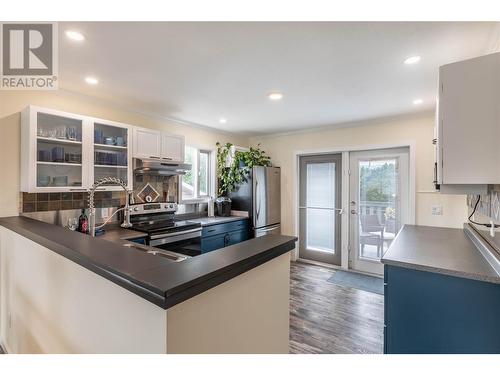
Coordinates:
<point>159,280</point>
<point>117,233</point>
<point>206,221</point>
<point>440,250</point>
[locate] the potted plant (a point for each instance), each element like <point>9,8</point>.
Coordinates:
<point>234,166</point>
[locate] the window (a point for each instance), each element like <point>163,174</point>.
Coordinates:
<point>196,184</point>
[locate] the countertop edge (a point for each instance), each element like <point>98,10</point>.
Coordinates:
<point>158,298</point>
<point>495,279</point>
<point>221,220</point>
<point>162,297</point>
<point>198,286</point>
<point>464,275</point>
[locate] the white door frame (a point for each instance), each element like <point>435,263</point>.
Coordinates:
<point>402,156</point>
<point>346,188</point>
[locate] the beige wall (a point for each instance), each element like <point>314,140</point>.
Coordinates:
<point>418,130</point>
<point>12,102</point>
<point>247,314</point>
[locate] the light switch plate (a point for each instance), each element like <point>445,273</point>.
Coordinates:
<point>437,210</point>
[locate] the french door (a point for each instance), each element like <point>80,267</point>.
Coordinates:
<point>319,208</point>
<point>379,204</point>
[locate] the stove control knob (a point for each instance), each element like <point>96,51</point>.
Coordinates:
<point>136,208</point>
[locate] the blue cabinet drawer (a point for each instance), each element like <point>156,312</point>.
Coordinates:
<point>221,235</point>
<point>215,229</point>
<point>213,243</point>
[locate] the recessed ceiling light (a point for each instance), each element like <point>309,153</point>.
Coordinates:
<point>75,35</point>
<point>275,96</point>
<point>91,80</point>
<point>412,60</point>
<point>222,120</point>
<point>418,101</point>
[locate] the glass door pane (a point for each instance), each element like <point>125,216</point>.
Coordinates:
<point>58,151</point>
<point>110,152</point>
<point>319,208</point>
<point>378,206</point>
<point>320,235</point>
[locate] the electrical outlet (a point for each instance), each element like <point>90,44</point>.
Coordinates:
<point>437,210</point>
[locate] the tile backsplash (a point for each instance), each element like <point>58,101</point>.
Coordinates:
<point>36,202</point>
<point>489,204</point>
<point>165,186</point>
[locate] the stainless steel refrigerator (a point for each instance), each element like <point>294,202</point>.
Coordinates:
<point>260,196</point>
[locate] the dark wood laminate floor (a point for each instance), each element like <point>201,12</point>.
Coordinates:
<point>327,318</point>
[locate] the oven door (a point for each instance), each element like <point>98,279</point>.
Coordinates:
<point>186,242</point>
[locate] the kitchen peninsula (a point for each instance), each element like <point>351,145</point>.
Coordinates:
<point>66,292</point>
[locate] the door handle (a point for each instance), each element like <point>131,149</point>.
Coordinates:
<point>354,212</point>
<point>339,210</point>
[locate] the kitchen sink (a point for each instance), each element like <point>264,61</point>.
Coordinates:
<point>158,252</point>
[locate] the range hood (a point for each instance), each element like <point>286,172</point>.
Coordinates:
<point>159,167</point>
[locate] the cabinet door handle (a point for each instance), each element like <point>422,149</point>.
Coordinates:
<point>154,157</point>
<point>168,158</point>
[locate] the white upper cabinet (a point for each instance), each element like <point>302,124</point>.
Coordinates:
<point>112,150</point>
<point>172,147</point>
<point>55,151</point>
<point>64,152</point>
<point>153,144</point>
<point>147,143</point>
<point>468,122</point>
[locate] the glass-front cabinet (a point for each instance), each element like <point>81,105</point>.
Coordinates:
<point>54,151</point>
<point>63,152</point>
<point>112,152</point>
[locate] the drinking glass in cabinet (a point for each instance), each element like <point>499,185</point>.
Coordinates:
<point>58,154</point>
<point>44,155</point>
<point>98,135</point>
<point>72,134</point>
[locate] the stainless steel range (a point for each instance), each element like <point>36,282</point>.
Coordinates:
<point>163,230</point>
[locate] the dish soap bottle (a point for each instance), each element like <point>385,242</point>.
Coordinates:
<point>83,222</point>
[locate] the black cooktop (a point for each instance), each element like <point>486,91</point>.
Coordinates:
<point>165,226</point>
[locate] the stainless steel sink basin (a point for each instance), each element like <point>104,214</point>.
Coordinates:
<point>159,252</point>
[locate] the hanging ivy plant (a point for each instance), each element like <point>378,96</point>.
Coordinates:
<point>233,174</point>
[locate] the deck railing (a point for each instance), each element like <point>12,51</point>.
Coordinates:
<point>375,208</point>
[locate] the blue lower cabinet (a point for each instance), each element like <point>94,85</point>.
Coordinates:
<point>236,237</point>
<point>428,312</point>
<point>213,243</point>
<point>221,235</point>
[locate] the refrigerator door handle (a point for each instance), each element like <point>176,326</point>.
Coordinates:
<point>257,212</point>
<point>269,229</point>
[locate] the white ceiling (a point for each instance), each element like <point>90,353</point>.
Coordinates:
<point>329,73</point>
